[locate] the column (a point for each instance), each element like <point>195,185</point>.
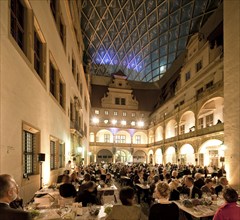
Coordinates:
<point>231,32</point>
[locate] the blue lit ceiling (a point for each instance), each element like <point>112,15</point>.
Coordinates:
<point>140,37</point>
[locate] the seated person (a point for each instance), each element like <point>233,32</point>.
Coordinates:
<point>223,184</point>
<point>127,210</point>
<point>230,210</point>
<point>191,190</point>
<point>88,195</point>
<point>67,189</point>
<point>164,209</point>
<point>8,193</point>
<point>174,193</point>
<point>60,177</point>
<point>199,181</point>
<point>208,187</point>
<point>108,179</point>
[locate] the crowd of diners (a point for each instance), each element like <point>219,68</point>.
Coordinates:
<point>166,183</point>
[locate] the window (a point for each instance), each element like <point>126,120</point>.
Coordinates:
<point>115,113</point>
<point>61,94</point>
<point>81,88</point>
<point>209,120</point>
<point>85,129</point>
<point>123,101</point>
<point>52,155</point>
<point>138,139</point>
<point>85,103</point>
<point>78,83</point>
<point>17,23</point>
<point>182,129</point>
<point>133,114</point>
<point>200,123</point>
<point>209,85</point>
<point>106,138</point>
<point>105,121</point>
<point>73,65</point>
<point>62,29</point>
<point>199,91</point>
<point>71,111</point>
<point>120,101</point>
<point>57,86</point>
<point>182,102</point>
<point>117,101</point>
<point>37,54</point>
<point>97,112</point>
<point>124,114</point>
<point>52,80</point>
<point>29,148</point>
<point>106,112</point>
<point>61,155</point>
<point>53,7</point>
<point>187,76</point>
<point>120,139</point>
<point>198,65</point>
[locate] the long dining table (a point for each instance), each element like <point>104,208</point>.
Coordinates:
<point>200,211</point>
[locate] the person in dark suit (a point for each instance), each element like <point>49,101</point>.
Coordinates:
<point>199,181</point>
<point>8,193</point>
<point>223,184</point>
<point>88,195</point>
<point>67,189</point>
<point>191,190</point>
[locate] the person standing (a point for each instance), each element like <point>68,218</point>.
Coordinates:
<point>8,193</point>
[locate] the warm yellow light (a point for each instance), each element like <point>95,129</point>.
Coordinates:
<point>95,120</point>
<point>114,121</point>
<point>133,123</point>
<point>106,121</point>
<point>123,122</point>
<point>140,123</point>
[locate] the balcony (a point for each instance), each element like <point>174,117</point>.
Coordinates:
<point>122,145</point>
<point>211,129</point>
<point>75,128</point>
<point>187,135</point>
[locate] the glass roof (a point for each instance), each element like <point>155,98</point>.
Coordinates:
<point>140,37</point>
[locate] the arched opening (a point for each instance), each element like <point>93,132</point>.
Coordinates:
<point>139,157</point>
<point>139,138</point>
<point>159,156</point>
<point>150,137</point>
<point>150,157</point>
<point>123,156</point>
<point>187,122</point>
<point>159,133</point>
<point>210,153</point>
<point>171,129</point>
<point>91,137</point>
<point>170,155</point>
<point>104,155</point>
<point>104,136</point>
<point>211,113</point>
<point>123,137</point>
<point>187,154</point>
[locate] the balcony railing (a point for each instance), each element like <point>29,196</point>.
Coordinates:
<point>123,145</point>
<point>74,126</point>
<point>211,129</point>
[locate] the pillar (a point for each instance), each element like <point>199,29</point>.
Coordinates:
<point>231,90</point>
